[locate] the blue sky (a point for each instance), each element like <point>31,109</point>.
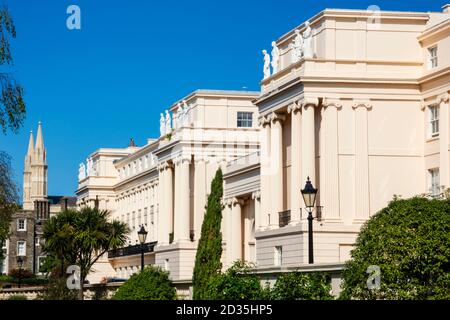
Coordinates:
<point>99,86</point>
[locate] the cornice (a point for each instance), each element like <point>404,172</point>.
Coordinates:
<point>442,27</point>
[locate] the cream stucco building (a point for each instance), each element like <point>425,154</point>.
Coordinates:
<point>164,184</point>
<point>362,110</point>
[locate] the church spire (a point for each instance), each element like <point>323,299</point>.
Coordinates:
<point>31,144</point>
<point>39,138</point>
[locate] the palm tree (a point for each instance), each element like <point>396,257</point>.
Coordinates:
<point>82,237</point>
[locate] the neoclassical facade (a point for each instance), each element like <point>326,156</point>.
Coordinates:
<point>363,111</point>
<point>355,100</point>
<point>164,184</point>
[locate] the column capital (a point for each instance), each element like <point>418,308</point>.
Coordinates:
<point>164,166</point>
<point>294,107</point>
<point>182,159</point>
<point>199,158</point>
<point>361,104</point>
<point>329,102</point>
<point>310,102</point>
<point>274,117</point>
<point>227,202</point>
<point>236,201</point>
<point>443,98</point>
<point>256,195</point>
<point>263,121</point>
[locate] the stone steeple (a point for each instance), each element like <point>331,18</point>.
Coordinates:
<point>35,171</point>
<point>27,203</point>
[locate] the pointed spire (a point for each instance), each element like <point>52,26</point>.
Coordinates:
<point>30,144</point>
<point>39,138</point>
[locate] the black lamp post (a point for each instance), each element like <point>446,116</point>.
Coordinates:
<point>142,235</point>
<point>20,264</point>
<point>309,197</point>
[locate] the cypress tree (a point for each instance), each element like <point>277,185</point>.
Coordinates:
<point>209,251</point>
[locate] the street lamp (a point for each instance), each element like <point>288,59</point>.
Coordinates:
<point>142,235</point>
<point>20,264</point>
<point>309,197</point>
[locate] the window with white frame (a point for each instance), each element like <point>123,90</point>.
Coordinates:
<point>21,248</point>
<point>434,184</point>
<point>278,256</point>
<point>21,224</point>
<point>434,120</point>
<point>245,119</point>
<point>432,57</point>
<point>133,220</point>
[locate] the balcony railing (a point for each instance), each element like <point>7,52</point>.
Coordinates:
<point>132,250</point>
<point>284,218</point>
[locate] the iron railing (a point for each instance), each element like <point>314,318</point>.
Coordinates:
<point>132,250</point>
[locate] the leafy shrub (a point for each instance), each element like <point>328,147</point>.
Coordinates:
<point>21,273</point>
<point>239,282</point>
<point>57,290</point>
<point>302,286</point>
<point>409,240</point>
<point>152,283</point>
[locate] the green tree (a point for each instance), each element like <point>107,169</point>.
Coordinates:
<point>302,286</point>
<point>12,114</point>
<point>209,251</point>
<point>409,240</point>
<point>8,198</point>
<point>82,237</point>
<point>152,283</point>
<point>12,105</point>
<point>239,282</point>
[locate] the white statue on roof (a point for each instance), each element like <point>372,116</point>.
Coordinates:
<point>162,125</point>
<point>81,172</point>
<point>297,50</point>
<point>307,42</point>
<point>168,122</point>
<point>275,58</point>
<point>185,114</point>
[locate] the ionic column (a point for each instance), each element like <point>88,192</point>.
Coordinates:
<point>362,205</point>
<point>236,232</point>
<point>276,181</point>
<point>183,209</point>
<point>256,196</point>
<point>165,213</point>
<point>294,110</point>
<point>199,195</point>
<point>329,173</point>
<point>444,140</point>
<point>308,141</point>
<point>265,161</point>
